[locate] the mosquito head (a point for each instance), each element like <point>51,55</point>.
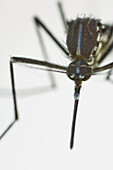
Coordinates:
<point>79,71</point>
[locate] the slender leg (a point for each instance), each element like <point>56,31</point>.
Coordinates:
<point>50,67</point>
<point>38,22</point>
<point>37,62</point>
<point>62,15</point>
<point>45,55</point>
<point>106,53</point>
<point>108,77</point>
<point>103,68</point>
<point>14,100</point>
<point>108,30</point>
<point>109,45</point>
<point>109,74</point>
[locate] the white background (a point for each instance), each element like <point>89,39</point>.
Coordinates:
<point>40,139</point>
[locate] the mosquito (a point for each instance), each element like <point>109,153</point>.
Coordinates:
<point>88,44</point>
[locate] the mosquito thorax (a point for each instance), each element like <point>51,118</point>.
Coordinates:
<point>83,36</point>
<point>79,70</point>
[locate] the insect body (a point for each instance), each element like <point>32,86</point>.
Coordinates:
<point>88,43</point>
<point>81,42</point>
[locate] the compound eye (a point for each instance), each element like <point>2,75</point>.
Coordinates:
<point>85,73</point>
<point>71,72</point>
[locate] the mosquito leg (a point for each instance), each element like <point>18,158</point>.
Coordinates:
<point>38,23</point>
<point>103,68</point>
<point>109,74</point>
<point>45,55</point>
<point>110,46</point>
<point>108,50</point>
<point>106,53</point>
<point>62,15</point>
<point>50,66</point>
<point>14,100</point>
